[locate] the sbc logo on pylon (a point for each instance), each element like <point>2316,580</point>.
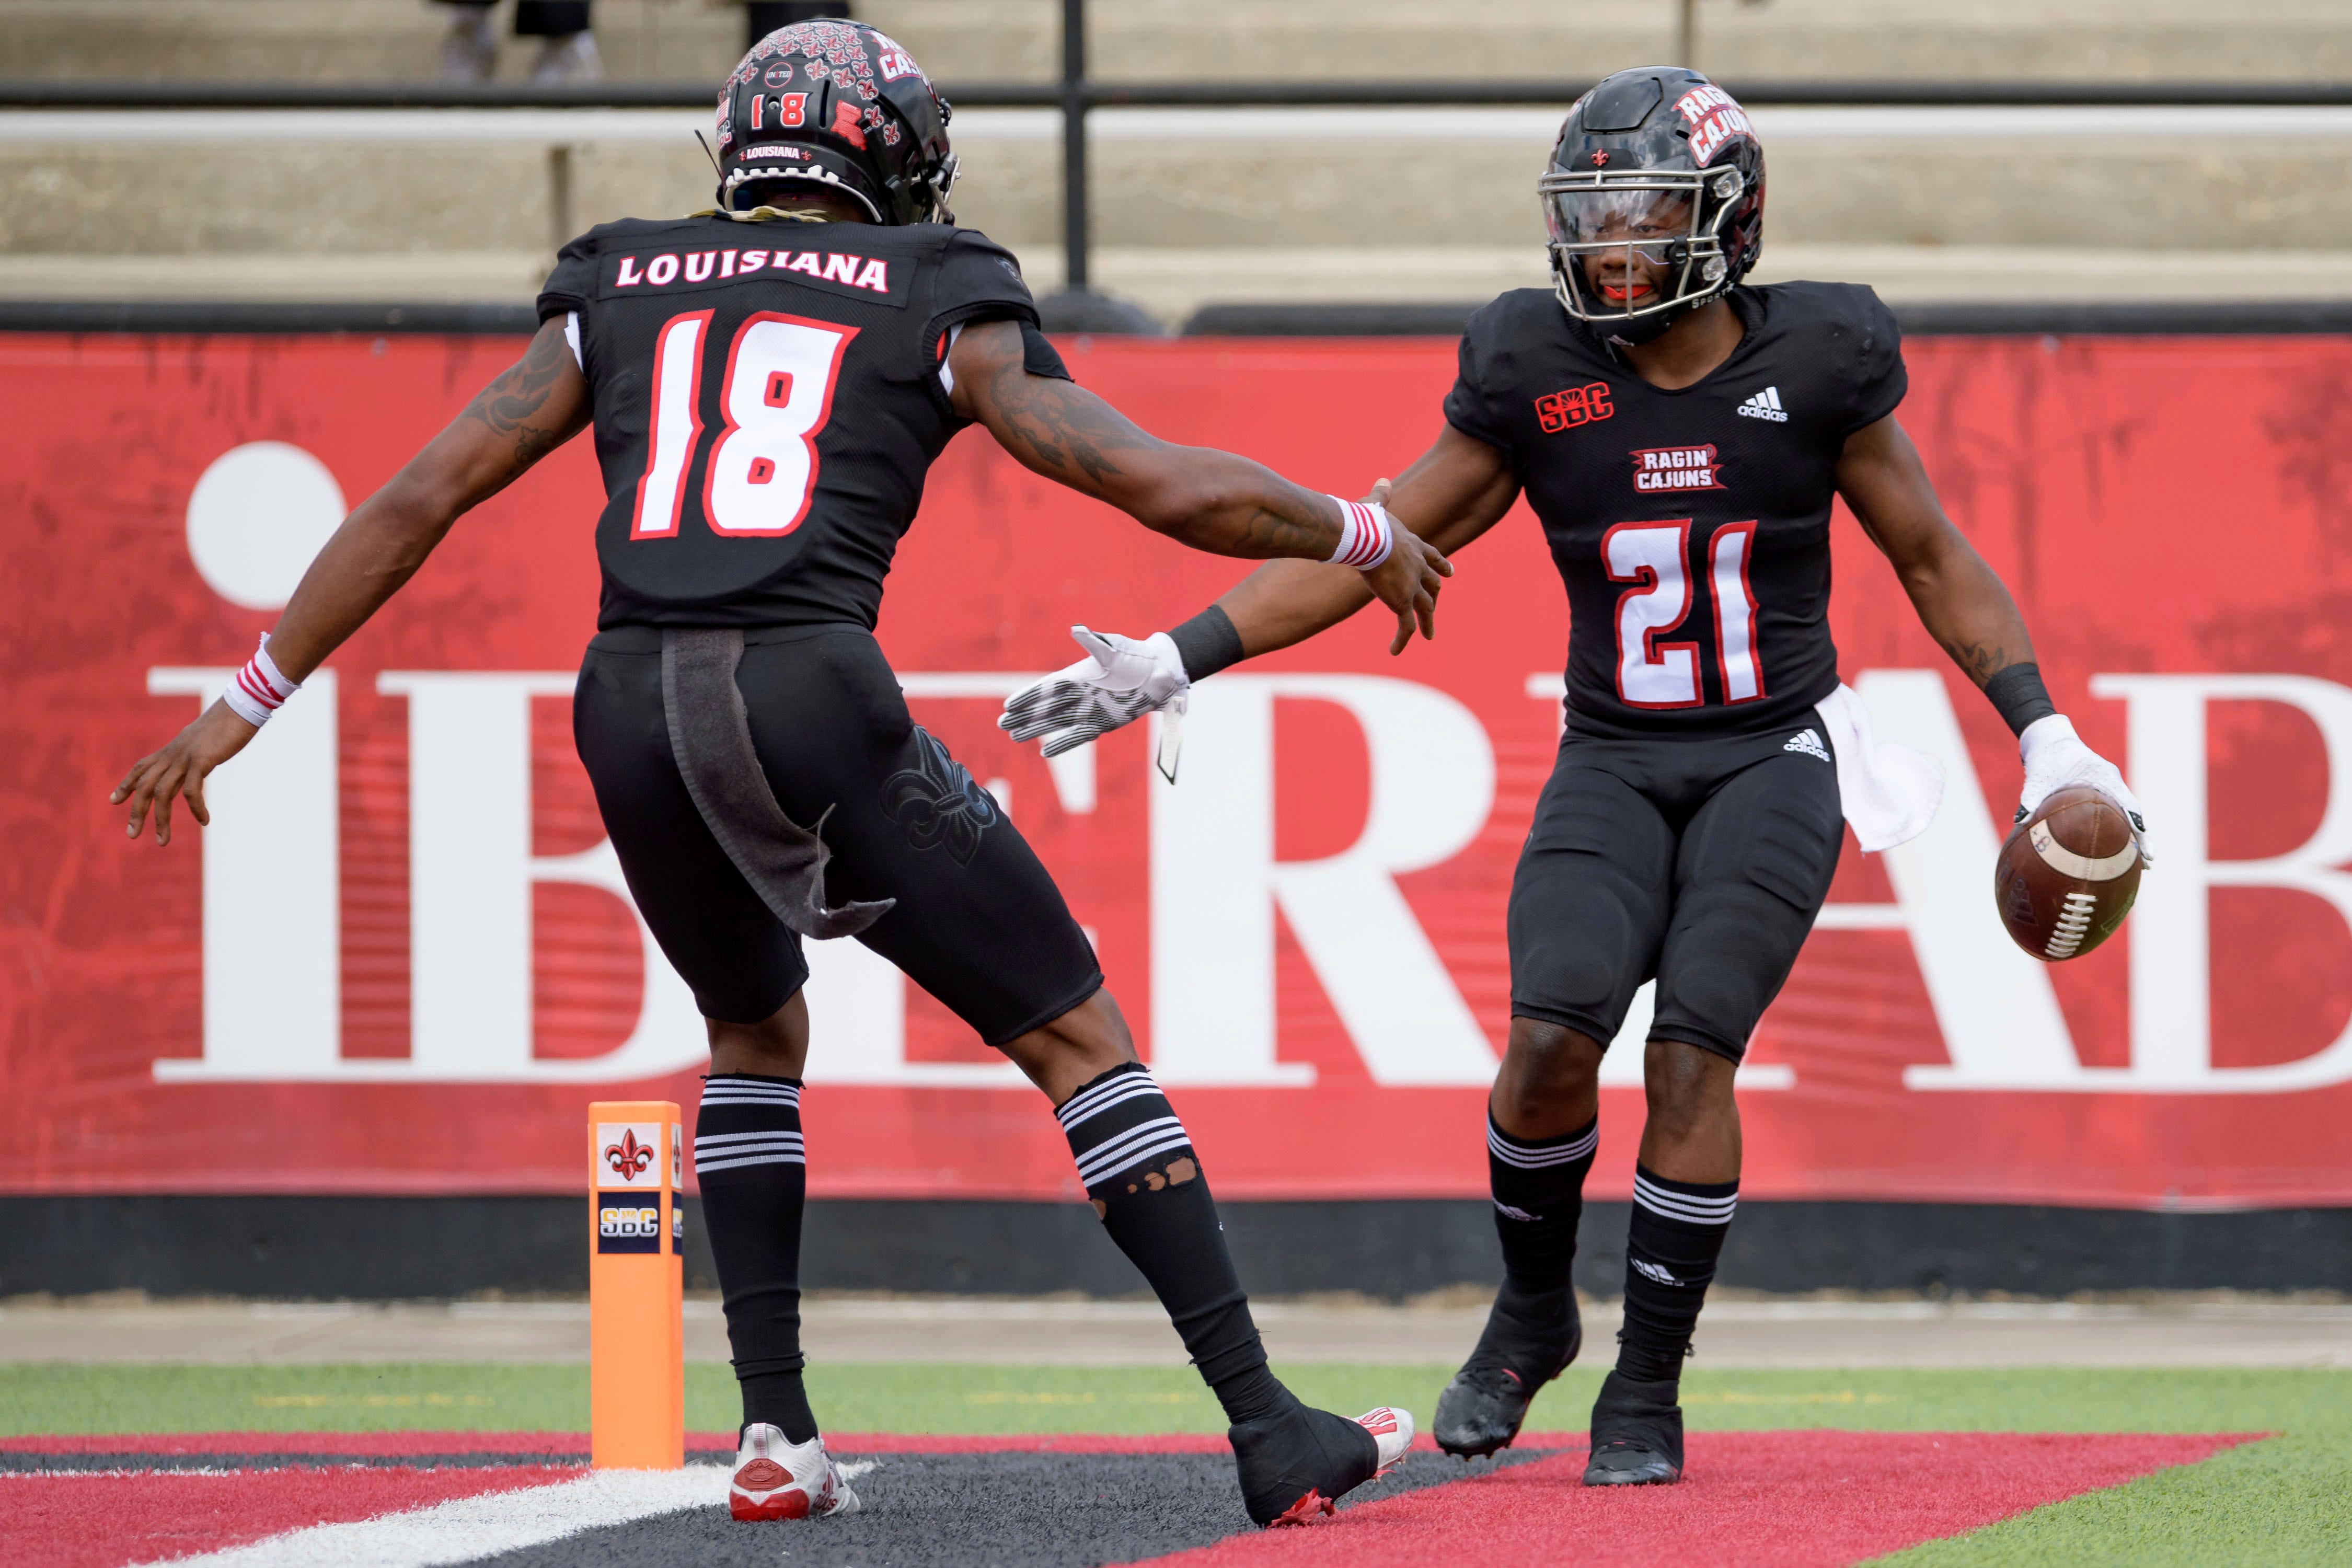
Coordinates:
<point>628,1224</point>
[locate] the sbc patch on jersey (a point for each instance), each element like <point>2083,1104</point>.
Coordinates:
<point>1576,405</point>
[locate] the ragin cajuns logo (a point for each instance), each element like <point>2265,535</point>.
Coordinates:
<point>1714,119</point>
<point>1576,405</point>
<point>1659,468</point>
<point>628,1158</point>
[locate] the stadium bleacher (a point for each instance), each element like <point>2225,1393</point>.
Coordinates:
<point>1199,207</point>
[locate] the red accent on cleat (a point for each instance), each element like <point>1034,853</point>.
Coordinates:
<point>791,1504</point>
<point>763,1476</point>
<point>1304,1511</point>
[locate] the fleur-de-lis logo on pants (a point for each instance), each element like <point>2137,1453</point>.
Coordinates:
<point>937,803</point>
<point>628,1158</point>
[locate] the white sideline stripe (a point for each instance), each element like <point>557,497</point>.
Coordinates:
<point>466,1528</point>
<point>1533,126</point>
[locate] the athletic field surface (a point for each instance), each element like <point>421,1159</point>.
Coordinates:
<point>104,1465</point>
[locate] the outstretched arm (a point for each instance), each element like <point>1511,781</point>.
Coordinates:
<point>1965,607</point>
<point>1961,601</point>
<point>1209,499</point>
<point>1453,493</point>
<point>536,405</point>
<point>1448,497</point>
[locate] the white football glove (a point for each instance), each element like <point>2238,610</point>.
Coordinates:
<point>2057,759</point>
<point>1121,680</point>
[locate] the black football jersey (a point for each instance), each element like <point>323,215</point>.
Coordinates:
<point>1692,527</point>
<point>767,402</point>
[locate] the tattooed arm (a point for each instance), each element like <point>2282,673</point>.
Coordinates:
<point>1209,499</point>
<point>1960,600</point>
<point>539,404</point>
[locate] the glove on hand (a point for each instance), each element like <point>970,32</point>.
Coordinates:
<point>1121,680</point>
<point>2057,759</point>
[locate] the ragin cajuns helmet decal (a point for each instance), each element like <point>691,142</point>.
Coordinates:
<point>1657,166</point>
<point>840,105</point>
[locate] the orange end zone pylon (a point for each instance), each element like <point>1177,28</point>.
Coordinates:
<point>636,1281</point>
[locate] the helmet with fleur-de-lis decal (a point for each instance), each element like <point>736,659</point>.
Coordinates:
<point>835,105</point>
<point>1661,166</point>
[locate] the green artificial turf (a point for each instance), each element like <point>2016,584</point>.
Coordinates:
<point>2284,1501</point>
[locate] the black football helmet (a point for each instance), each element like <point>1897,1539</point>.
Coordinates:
<point>839,105</point>
<point>1661,162</point>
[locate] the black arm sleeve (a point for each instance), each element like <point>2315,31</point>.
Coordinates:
<point>979,280</point>
<point>573,282</point>
<point>2018,695</point>
<point>1472,406</point>
<point>1040,357</point>
<point>1207,643</point>
<point>1879,379</point>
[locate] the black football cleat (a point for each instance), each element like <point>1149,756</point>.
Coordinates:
<point>1637,1434</point>
<point>1295,1466</point>
<point>1529,1340</point>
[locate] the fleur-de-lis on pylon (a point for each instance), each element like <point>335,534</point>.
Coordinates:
<point>628,1158</point>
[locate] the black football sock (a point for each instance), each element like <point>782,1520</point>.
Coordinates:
<point>1146,1182</point>
<point>1670,1254</point>
<point>1539,1189</point>
<point>749,1158</point>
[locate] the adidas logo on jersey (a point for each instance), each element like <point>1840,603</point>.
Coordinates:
<point>1809,742</point>
<point>1765,404</point>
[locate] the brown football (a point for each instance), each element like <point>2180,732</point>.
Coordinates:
<point>2066,876</point>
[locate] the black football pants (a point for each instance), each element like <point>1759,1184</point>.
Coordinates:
<point>979,923</point>
<point>1699,862</point>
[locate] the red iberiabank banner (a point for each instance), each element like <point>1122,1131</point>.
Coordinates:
<point>401,960</point>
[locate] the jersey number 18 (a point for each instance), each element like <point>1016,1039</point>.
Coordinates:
<point>1652,556</point>
<point>774,397</point>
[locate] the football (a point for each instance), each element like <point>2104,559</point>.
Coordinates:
<point>2066,876</point>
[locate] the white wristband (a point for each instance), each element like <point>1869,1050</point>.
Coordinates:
<point>1365,534</point>
<point>258,689</point>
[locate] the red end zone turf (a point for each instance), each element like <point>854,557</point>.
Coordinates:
<point>411,1445</point>
<point>103,1519</point>
<point>1758,1500</point>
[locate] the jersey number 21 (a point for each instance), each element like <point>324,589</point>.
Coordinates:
<point>1652,556</point>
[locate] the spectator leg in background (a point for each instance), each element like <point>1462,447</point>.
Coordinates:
<point>469,50</point>
<point>761,17</point>
<point>568,49</point>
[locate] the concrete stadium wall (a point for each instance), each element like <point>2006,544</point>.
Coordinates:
<point>972,39</point>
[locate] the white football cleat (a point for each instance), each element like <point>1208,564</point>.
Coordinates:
<point>1392,1432</point>
<point>776,1479</point>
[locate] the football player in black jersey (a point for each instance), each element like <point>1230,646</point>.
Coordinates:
<point>768,384</point>
<point>1680,438</point>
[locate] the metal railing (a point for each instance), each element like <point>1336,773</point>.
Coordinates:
<point>1077,93</point>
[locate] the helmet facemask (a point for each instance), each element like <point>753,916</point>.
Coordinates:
<point>1659,230</point>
